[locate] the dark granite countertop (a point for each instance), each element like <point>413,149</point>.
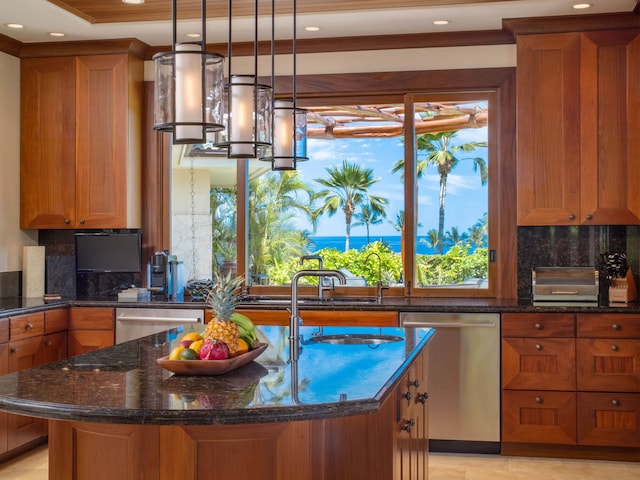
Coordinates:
<point>123,384</point>
<point>18,306</point>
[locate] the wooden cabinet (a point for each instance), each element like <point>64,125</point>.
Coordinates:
<point>577,128</point>
<point>412,439</point>
<point>80,142</point>
<point>353,318</point>
<point>572,380</point>
<point>90,328</point>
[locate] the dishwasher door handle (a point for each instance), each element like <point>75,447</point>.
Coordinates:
<point>423,324</point>
<point>126,318</point>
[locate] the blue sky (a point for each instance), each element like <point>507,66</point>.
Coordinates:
<point>466,199</point>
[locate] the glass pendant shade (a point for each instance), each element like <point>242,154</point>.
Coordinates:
<point>188,93</point>
<point>248,117</point>
<point>289,136</point>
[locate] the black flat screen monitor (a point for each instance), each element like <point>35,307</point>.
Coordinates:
<point>108,252</point>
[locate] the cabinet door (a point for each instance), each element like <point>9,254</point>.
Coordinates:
<point>23,354</point>
<point>611,419</point>
<point>609,124</point>
<point>4,369</point>
<point>91,318</point>
<point>540,363</point>
<point>548,115</point>
<point>609,365</point>
<point>53,347</point>
<point>539,417</point>
<point>48,143</point>
<point>82,341</point>
<point>102,141</point>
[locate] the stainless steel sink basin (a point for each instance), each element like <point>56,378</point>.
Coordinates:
<point>355,339</point>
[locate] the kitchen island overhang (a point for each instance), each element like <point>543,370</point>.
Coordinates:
<point>346,421</point>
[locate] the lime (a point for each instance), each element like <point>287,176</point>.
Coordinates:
<point>188,354</point>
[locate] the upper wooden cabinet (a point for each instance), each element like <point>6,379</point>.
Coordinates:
<point>577,124</point>
<point>80,141</point>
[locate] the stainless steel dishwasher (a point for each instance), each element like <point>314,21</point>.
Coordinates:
<point>464,380</point>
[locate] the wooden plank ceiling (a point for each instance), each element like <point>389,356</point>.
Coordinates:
<point>114,11</point>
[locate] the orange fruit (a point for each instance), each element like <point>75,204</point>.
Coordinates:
<point>193,336</point>
<point>243,347</point>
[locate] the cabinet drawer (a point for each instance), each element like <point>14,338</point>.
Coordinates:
<point>352,318</point>
<point>538,325</point>
<point>91,318</point>
<point>260,317</point>
<point>56,320</point>
<point>26,326</point>
<point>539,417</point>
<point>4,330</point>
<point>608,325</point>
<point>609,365</point>
<point>611,419</point>
<point>540,364</point>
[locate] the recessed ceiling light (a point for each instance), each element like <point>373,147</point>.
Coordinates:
<point>14,25</point>
<point>133,2</point>
<point>312,29</point>
<point>441,22</point>
<point>56,34</point>
<point>580,6</point>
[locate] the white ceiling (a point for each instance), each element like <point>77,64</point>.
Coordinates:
<point>40,17</point>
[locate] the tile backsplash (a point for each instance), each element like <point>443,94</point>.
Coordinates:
<point>575,246</point>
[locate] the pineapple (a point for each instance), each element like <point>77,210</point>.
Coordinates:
<point>222,300</point>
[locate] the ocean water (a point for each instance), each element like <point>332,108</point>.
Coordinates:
<point>393,242</point>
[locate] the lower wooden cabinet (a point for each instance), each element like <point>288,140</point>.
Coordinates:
<point>90,328</point>
<point>609,419</point>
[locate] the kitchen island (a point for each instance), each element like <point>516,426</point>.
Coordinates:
<point>340,411</point>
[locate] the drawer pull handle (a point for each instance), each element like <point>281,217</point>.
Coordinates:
<point>48,343</point>
<point>615,402</point>
<point>14,350</point>
<point>539,400</point>
<point>589,217</point>
<point>538,326</point>
<point>407,395</point>
<point>415,383</point>
<point>572,216</point>
<point>616,326</point>
<point>615,348</point>
<point>408,425</point>
<point>29,326</point>
<point>422,398</point>
<point>538,346</point>
<point>82,221</point>
<point>67,221</point>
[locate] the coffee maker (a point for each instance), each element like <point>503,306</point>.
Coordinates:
<point>158,273</point>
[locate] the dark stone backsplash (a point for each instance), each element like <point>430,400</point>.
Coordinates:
<point>576,246</point>
<point>61,276</point>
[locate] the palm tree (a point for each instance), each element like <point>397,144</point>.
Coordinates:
<point>441,154</point>
<point>347,187</point>
<point>367,217</point>
<point>276,200</point>
<point>432,240</point>
<point>478,232</point>
<point>453,237</point>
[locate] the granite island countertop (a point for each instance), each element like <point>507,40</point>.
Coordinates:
<point>124,384</point>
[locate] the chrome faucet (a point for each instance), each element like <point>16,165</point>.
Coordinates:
<point>320,267</point>
<point>295,320</point>
<point>379,285</point>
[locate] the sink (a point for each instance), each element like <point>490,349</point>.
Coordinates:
<point>355,339</point>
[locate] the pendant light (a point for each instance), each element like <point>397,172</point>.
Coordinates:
<point>289,142</point>
<point>247,105</point>
<point>188,88</point>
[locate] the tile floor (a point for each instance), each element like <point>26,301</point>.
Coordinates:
<point>33,466</point>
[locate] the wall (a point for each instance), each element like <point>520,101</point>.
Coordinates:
<point>12,239</point>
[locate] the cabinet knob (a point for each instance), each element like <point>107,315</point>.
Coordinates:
<point>407,395</point>
<point>589,217</point>
<point>13,350</point>
<point>538,326</point>
<point>572,216</point>
<point>48,343</point>
<point>408,425</point>
<point>539,400</point>
<point>415,383</point>
<point>615,402</point>
<point>422,398</point>
<point>616,326</point>
<point>82,221</point>
<point>538,346</point>
<point>615,347</point>
<point>29,326</point>
<point>67,221</point>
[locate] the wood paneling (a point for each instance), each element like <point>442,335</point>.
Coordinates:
<point>88,318</point>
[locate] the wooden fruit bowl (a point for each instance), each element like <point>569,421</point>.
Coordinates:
<point>210,367</point>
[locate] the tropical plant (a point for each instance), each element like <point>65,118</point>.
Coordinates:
<point>367,216</point>
<point>443,155</point>
<point>346,188</point>
<point>276,200</point>
<point>222,204</point>
<point>454,237</point>
<point>479,232</point>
